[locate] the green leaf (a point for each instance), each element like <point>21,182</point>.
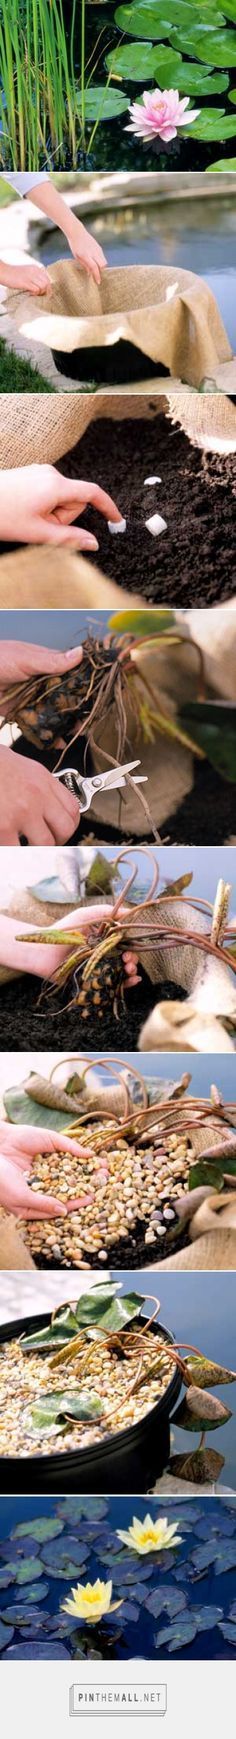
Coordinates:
<point>59,1331</point>
<point>193,81</point>
<point>42,1528</point>
<point>138,61</point>
<point>219,167</point>
<point>206,1172</point>
<point>65,1404</point>
<point>29,1570</point>
<point>20,1108</point>
<point>215,46</point>
<point>198,1414</point>
<point>232,99</point>
<point>212,724</point>
<point>95,1309</point>
<point>152,21</point>
<point>100,880</point>
<point>102,103</point>
<point>206,1371</point>
<point>142,622</point>
<point>210,130</point>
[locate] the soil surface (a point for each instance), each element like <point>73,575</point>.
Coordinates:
<point>206,816</point>
<point>194,561</point>
<point>27,1024</point>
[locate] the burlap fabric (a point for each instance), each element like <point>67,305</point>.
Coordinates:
<point>168,313</point>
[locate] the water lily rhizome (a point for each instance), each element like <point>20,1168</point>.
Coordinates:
<point>88,1394</point>
<point>157,1172</point>
<point>153,683</point>
<point>170,939</point>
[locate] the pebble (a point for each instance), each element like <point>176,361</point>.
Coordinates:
<point>136,1187</point>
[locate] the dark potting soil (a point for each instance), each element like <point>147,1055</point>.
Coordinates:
<point>26,1026</point>
<point>117,365</point>
<point>194,561</point>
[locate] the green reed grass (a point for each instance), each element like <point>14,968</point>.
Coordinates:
<point>38,89</point>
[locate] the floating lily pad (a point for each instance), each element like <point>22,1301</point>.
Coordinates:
<point>208,128</point>
<point>232,1613</point>
<point>217,47</point>
<point>42,1528</point>
<point>139,61</point>
<point>6,1634</point>
<point>207,1617</point>
<point>229,1632</point>
<point>194,81</point>
<point>6,1577</point>
<point>129,1610</point>
<point>232,96</point>
<point>18,1614</point>
<point>44,1651</point>
<point>102,103</point>
<point>28,1570</point>
<point>60,1552</point>
<point>226,1528</point>
<point>73,1508</point>
<point>164,1599</point>
<point>152,21</point>
<point>31,1593</point>
<point>178,1634</point>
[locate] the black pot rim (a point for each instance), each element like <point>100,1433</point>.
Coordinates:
<point>114,1440</point>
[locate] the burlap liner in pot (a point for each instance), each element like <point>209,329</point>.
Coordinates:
<point>169,314</point>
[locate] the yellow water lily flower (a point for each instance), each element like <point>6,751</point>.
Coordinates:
<point>91,1601</point>
<point>150,1536</point>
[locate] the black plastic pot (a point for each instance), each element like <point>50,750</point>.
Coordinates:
<point>129,1460</point>
<point>107,365</point>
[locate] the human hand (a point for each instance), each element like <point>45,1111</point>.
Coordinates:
<point>85,249</point>
<point>33,278</point>
<point>37,506</point>
<point>34,804</point>
<point>19,660</point>
<point>42,958</point>
<point>18,1147</point>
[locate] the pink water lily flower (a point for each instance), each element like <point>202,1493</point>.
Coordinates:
<point>160,113</point>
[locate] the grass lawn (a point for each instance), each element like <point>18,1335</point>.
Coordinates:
<point>16,374</point>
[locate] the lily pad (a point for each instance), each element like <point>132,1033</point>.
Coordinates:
<point>59,1552</point>
<point>207,1617</point>
<point>205,1372</point>
<point>71,1509</point>
<point>55,1335</point>
<point>28,1570</point>
<point>45,1651</point>
<point>103,104</point>
<point>229,1632</point>
<point>141,62</point>
<point>18,1614</point>
<point>31,1594</point>
<point>194,81</point>
<point>6,1634</point>
<point>217,47</point>
<point>202,1466</point>
<point>200,1412</point>
<point>207,129</point>
<point>6,1577</point>
<point>102,1309</point>
<point>152,21</point>
<point>67,1404</point>
<point>178,1634</point>
<point>42,1528</point>
<point>21,1108</point>
<point>171,1600</point>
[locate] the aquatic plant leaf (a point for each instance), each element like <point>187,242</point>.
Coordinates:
<point>100,880</point>
<point>23,1548</point>
<point>100,1308</point>
<point>42,1528</point>
<point>73,1508</point>
<point>215,46</point>
<point>200,1465</point>
<point>102,103</point>
<point>65,1403</point>
<point>6,1577</point>
<point>123,1589</point>
<point>206,1617</point>
<point>56,1335</point>
<point>213,723</point>
<point>171,1600</point>
<point>232,97</point>
<point>194,1413</point>
<point>6,1634</point>
<point>178,1634</point>
<point>229,1632</point>
<point>31,1595</point>
<point>198,81</point>
<point>149,20</point>
<point>139,60</point>
<point>60,1552</point>
<point>46,1651</point>
<point>128,1611</point>
<point>222,1527</point>
<point>215,1552</point>
<point>18,1614</point>
<point>206,1371</point>
<point>28,1570</point>
<point>142,622</point>
<point>206,1171</point>
<point>232,1611</point>
<point>205,129</point>
<point>20,1108</point>
<point>227,1560</point>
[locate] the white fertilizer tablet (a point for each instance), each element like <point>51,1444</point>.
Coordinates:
<point>150,480</point>
<point>156,525</point>
<point>116,525</point>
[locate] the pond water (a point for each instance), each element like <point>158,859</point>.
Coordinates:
<point>180,1601</point>
<point>198,234</point>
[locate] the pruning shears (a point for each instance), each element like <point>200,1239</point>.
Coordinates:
<point>113,780</point>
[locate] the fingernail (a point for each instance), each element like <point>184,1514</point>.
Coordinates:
<point>91,543</point>
<point>72,651</point>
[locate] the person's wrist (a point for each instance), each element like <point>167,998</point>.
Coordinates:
<point>74,230</point>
